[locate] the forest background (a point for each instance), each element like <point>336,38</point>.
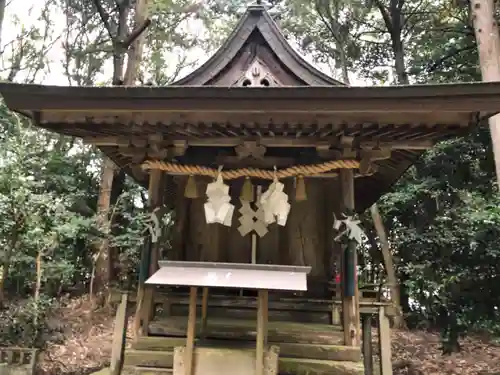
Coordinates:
<point>59,219</point>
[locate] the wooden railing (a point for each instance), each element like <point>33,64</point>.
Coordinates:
<point>367,291</point>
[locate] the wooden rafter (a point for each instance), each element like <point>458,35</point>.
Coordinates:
<point>282,142</point>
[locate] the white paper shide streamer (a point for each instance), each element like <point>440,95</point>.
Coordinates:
<point>154,225</point>
<point>274,203</point>
<point>218,208</point>
<point>352,228</point>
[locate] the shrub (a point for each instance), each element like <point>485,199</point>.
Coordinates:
<point>24,323</point>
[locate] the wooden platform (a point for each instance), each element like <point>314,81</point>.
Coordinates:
<point>245,330</point>
<point>289,309</point>
<point>304,348</point>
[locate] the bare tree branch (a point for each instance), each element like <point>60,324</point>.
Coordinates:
<point>104,18</point>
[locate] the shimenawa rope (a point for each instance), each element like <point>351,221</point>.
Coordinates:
<point>298,170</point>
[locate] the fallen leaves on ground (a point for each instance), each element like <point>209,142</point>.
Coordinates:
<point>86,340</point>
<point>419,353</point>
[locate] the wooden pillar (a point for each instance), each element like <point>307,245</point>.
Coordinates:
<point>262,313</point>
<point>350,297</point>
<point>384,339</point>
<point>119,338</point>
<point>149,261</point>
<point>191,330</point>
<point>367,345</point>
<point>204,312</point>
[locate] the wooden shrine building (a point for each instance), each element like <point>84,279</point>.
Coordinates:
<point>260,118</point>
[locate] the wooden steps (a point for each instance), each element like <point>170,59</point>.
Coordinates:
<point>302,366</point>
<point>139,362</point>
<point>149,358</point>
<point>245,330</point>
<point>244,307</point>
<point>305,348</point>
<point>292,350</point>
<point>150,354</point>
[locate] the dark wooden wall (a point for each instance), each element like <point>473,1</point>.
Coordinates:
<point>307,238</point>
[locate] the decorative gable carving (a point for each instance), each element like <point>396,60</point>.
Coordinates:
<point>256,28</point>
<point>258,75</point>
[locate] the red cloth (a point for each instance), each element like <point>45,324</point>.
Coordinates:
<point>337,278</point>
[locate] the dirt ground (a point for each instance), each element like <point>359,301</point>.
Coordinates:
<point>84,346</point>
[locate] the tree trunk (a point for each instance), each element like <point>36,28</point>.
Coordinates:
<point>388,263</point>
<point>344,66</point>
<point>38,284</point>
<point>134,46</point>
<point>3,4</point>
<point>5,265</point>
<point>103,261</point>
<point>100,282</point>
<point>117,223</point>
<point>399,59</point>
<point>137,46</point>
<point>488,41</point>
<point>393,20</point>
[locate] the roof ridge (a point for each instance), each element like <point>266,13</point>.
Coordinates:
<point>256,17</point>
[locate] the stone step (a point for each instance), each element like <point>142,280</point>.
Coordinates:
<point>133,370</point>
<point>300,366</point>
<point>148,358</point>
<point>317,351</point>
<point>157,361</point>
<point>313,351</point>
<point>157,343</point>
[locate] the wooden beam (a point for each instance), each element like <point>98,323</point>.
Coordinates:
<point>288,142</point>
<point>415,99</point>
<point>266,162</point>
<point>250,148</point>
<point>154,151</point>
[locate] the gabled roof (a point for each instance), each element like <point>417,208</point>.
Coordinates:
<point>257,20</point>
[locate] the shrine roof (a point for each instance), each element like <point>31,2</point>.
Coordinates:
<point>411,118</point>
<point>256,88</point>
<point>256,29</point>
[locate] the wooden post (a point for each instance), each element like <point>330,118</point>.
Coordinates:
<point>335,315</point>
<point>367,345</point>
<point>191,330</point>
<point>149,262</point>
<point>262,307</point>
<point>384,340</point>
<point>350,298</point>
<point>204,312</point>
<point>488,41</point>
<point>119,337</point>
